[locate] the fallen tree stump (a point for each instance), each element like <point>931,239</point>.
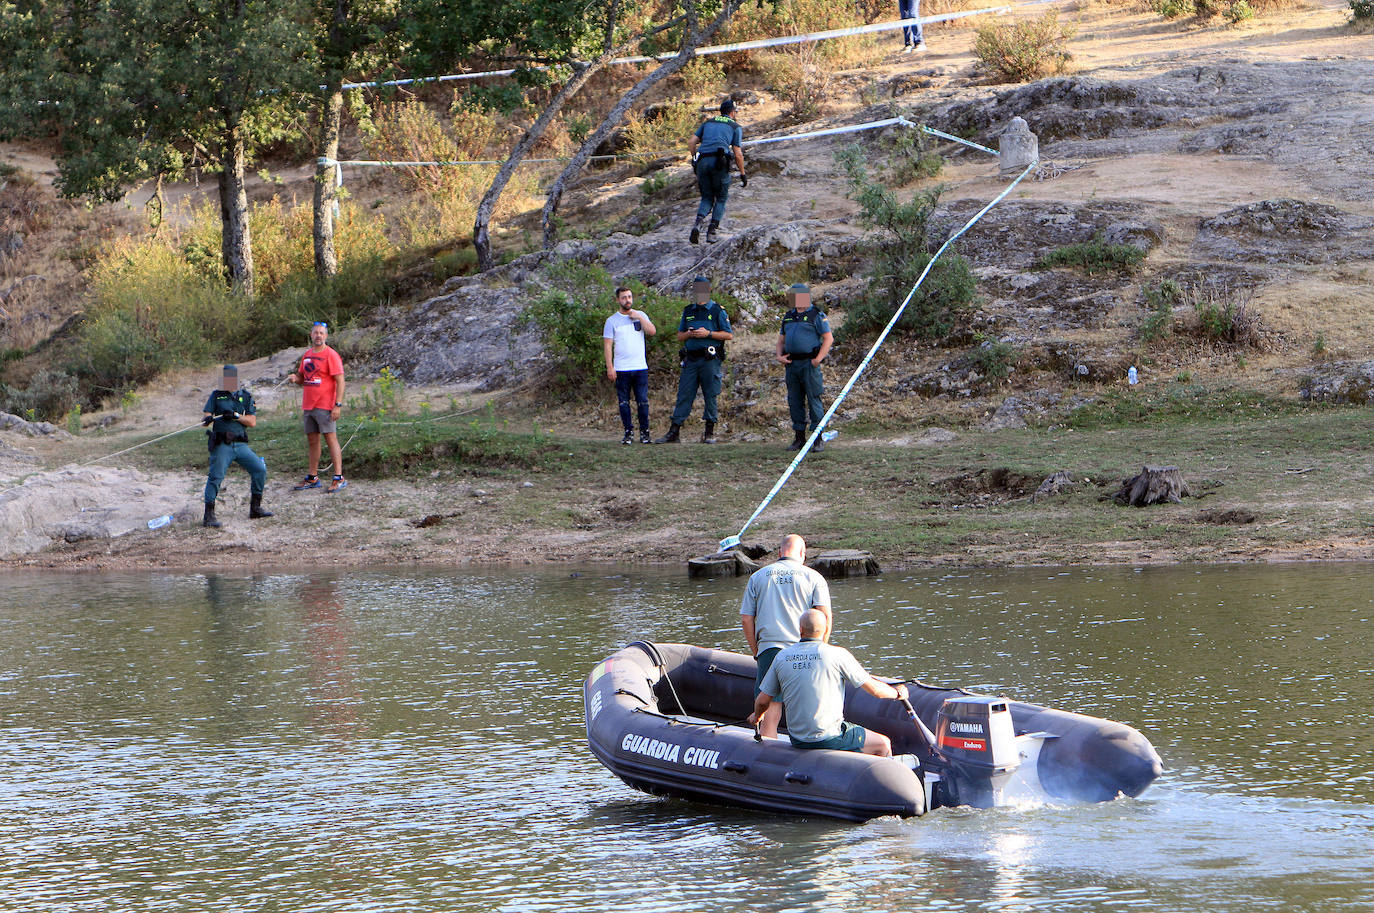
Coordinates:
<point>733,562</point>
<point>845,562</point>
<point>1153,485</point>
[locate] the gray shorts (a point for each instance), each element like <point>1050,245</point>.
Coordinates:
<point>318,421</point>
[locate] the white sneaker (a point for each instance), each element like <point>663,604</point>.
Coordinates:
<point>907,49</point>
<point>919,47</point>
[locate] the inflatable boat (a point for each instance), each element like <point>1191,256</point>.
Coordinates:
<point>669,719</point>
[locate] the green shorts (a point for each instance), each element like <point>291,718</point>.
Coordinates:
<point>765,661</point>
<point>851,738</point>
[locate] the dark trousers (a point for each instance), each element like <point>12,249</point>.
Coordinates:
<point>638,381</point>
<point>910,9</point>
<point>697,374</point>
<point>714,184</point>
<point>237,452</point>
<point>804,389</point>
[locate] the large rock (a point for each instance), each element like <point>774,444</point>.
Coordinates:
<point>1340,382</point>
<point>1286,231</point>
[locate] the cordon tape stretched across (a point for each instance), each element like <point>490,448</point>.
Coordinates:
<point>731,541</point>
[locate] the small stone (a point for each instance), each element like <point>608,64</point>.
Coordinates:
<point>478,493</point>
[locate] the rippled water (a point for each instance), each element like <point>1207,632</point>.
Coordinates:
<point>412,740</point>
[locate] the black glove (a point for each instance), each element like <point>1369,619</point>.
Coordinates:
<point>743,179</point>
<point>207,420</point>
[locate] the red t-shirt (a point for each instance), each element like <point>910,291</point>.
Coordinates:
<point>318,370</point>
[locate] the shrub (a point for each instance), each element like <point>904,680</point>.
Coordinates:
<point>1094,257</point>
<point>910,157</point>
<point>49,395</point>
<point>901,256</point>
<point>994,358</point>
<point>1160,299</point>
<point>702,77</point>
<point>1239,11</point>
<point>1226,317</point>
<point>665,130</point>
<point>1026,50</point>
<point>571,314</point>
<point>799,80</point>
<point>1362,11</point>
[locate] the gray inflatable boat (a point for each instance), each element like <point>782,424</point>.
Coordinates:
<point>668,719</point>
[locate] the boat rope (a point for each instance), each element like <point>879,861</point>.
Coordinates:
<point>731,541</point>
<point>704,723</point>
<point>662,668</point>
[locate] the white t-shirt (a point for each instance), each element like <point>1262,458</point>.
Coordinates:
<point>628,348</point>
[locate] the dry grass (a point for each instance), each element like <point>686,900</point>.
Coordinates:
<point>1025,50</point>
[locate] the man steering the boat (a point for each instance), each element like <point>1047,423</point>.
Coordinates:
<point>774,601</point>
<point>808,677</point>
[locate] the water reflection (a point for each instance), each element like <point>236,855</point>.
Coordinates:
<point>412,741</point>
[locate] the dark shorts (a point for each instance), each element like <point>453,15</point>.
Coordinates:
<point>851,738</point>
<point>319,421</point>
<point>765,661</point>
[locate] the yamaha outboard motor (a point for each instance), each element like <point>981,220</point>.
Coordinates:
<point>975,736</point>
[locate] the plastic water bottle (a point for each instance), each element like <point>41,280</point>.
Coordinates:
<point>1132,376</point>
<point>159,522</point>
<point>828,435</point>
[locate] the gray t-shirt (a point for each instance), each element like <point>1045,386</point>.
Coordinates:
<point>808,677</point>
<point>777,595</point>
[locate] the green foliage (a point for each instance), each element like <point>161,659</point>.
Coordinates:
<point>383,398</point>
<point>49,395</point>
<point>800,80</point>
<point>1225,317</point>
<point>910,157</point>
<point>1160,299</point>
<point>702,77</point>
<point>73,419</point>
<point>1094,257</point>
<point>1172,9</point>
<point>994,358</point>
<point>901,257</point>
<point>1177,404</point>
<point>655,183</point>
<point>1362,10</point>
<point>667,130</point>
<point>1239,11</point>
<point>579,127</point>
<point>1319,346</point>
<point>572,314</point>
<point>1025,50</point>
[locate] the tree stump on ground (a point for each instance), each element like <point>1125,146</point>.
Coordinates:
<point>1053,485</point>
<point>1153,485</point>
<point>846,562</point>
<point>730,563</point>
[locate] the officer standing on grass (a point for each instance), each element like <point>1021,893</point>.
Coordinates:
<point>803,343</point>
<point>715,143</point>
<point>703,331</point>
<point>229,411</point>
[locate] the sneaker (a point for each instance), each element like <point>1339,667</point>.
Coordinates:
<point>644,438</point>
<point>338,483</point>
<point>307,482</point>
<point>907,49</point>
<point>919,47</point>
<point>629,438</point>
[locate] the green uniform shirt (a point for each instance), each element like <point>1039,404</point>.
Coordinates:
<point>717,133</point>
<point>709,315</point>
<point>777,595</point>
<point>221,403</point>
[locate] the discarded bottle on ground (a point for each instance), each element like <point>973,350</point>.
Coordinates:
<point>1132,376</point>
<point>828,435</point>
<point>159,522</point>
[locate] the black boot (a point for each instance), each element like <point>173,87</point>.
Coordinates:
<point>695,236</point>
<point>709,435</point>
<point>711,232</point>
<point>671,436</point>
<point>818,446</point>
<point>210,520</point>
<point>798,439</point>
<point>255,511</point>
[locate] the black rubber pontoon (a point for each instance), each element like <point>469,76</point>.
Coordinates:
<point>658,716</point>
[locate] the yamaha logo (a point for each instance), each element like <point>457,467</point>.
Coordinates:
<point>974,728</point>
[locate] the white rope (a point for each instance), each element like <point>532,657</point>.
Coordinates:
<point>730,541</point>
<point>706,51</point>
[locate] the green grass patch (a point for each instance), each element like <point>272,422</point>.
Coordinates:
<point>1180,403</point>
<point>1094,257</point>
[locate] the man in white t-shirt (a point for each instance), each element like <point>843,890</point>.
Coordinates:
<point>626,365</point>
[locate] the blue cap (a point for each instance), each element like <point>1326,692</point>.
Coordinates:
<point>231,369</point>
<point>701,279</point>
<point>800,288</point>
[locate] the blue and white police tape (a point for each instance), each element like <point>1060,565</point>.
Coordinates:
<point>706,51</point>
<point>731,541</point>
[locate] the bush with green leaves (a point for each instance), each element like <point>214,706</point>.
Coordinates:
<point>48,395</point>
<point>1362,11</point>
<point>571,314</point>
<point>1160,299</point>
<point>910,157</point>
<point>1094,257</point>
<point>994,358</point>
<point>901,257</point>
<point>1026,50</point>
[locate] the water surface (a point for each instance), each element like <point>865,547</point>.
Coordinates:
<point>412,740</point>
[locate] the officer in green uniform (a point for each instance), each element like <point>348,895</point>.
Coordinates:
<point>712,147</point>
<point>229,411</point>
<point>803,344</point>
<point>703,331</point>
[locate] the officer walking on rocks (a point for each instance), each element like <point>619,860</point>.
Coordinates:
<point>703,331</point>
<point>712,147</point>
<point>229,411</point>
<point>803,343</point>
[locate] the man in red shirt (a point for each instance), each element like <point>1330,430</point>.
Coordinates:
<point>320,376</point>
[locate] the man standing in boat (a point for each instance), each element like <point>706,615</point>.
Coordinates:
<point>809,678</point>
<point>774,601</point>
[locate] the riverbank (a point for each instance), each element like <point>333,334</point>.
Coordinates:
<point>1272,482</point>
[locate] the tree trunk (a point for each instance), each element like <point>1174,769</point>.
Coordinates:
<point>481,240</point>
<point>236,241</point>
<point>1153,485</point>
<point>692,40</point>
<point>326,196</point>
